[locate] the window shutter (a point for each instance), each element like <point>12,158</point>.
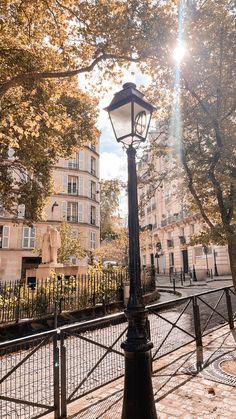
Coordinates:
<point>81,185</point>
<point>97,216</point>
<point>1,210</point>
<point>64,210</point>
<point>32,237</point>
<point>21,211</point>
<point>80,212</point>
<point>25,238</point>
<point>64,183</point>
<point>81,160</point>
<point>86,213</point>
<point>5,236</point>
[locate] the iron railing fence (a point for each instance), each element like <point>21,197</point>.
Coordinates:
<point>194,273</point>
<point>21,300</point>
<point>29,377</point>
<point>88,353</point>
<point>176,323</point>
<point>91,356</point>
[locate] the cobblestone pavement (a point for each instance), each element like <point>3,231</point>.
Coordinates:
<point>178,392</point>
<point>33,380</point>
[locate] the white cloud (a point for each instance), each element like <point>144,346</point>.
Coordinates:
<point>113,166</point>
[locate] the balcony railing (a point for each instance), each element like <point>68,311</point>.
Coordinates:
<point>72,191</point>
<point>174,218</point>
<point>72,218</point>
<point>93,172</point>
<point>72,165</point>
<point>93,221</point>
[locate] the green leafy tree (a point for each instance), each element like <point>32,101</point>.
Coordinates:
<point>115,246</point>
<point>109,203</point>
<point>70,245</point>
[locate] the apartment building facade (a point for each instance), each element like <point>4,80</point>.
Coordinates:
<point>167,228</point>
<point>75,200</point>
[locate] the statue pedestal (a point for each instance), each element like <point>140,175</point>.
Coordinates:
<point>45,270</point>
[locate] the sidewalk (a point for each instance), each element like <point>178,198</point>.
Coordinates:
<point>215,282</point>
<point>178,391</point>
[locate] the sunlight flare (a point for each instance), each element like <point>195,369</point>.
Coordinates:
<point>179,53</point>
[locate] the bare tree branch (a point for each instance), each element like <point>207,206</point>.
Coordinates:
<point>21,78</point>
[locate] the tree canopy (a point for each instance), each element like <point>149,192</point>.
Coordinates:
<point>70,245</point>
<point>109,203</point>
<point>44,44</point>
<point>204,119</point>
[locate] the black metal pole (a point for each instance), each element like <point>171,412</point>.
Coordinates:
<point>138,401</point>
<point>215,265</point>
<point>207,263</point>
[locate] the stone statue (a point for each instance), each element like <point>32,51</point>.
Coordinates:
<point>50,244</point>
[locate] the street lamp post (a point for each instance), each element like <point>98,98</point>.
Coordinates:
<point>206,251</point>
<point>130,117</point>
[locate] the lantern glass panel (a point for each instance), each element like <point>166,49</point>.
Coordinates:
<point>121,121</point>
<point>141,121</point>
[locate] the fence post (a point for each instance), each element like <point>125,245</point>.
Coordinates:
<point>148,328</point>
<point>229,309</point>
<point>198,334</point>
<point>55,313</point>
<point>18,302</point>
<point>56,377</point>
<point>63,377</point>
<point>174,284</point>
<point>104,303</point>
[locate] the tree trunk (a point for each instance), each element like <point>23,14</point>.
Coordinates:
<point>232,259</point>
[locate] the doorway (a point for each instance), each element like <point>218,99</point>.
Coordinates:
<point>185,260</point>
<point>29,263</point>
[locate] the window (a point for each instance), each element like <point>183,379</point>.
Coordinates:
<point>199,251</point>
<point>77,162</point>
<point>192,229</point>
<point>4,236</point>
<point>171,259</point>
<point>93,190</point>
<point>92,240</point>
<point>28,237</point>
<point>93,215</point>
<point>72,185</point>
<point>1,210</point>
<point>21,211</point>
<point>73,164</point>
<point>93,166</point>
<point>72,211</point>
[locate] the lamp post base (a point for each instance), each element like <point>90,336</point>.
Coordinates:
<point>138,401</point>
